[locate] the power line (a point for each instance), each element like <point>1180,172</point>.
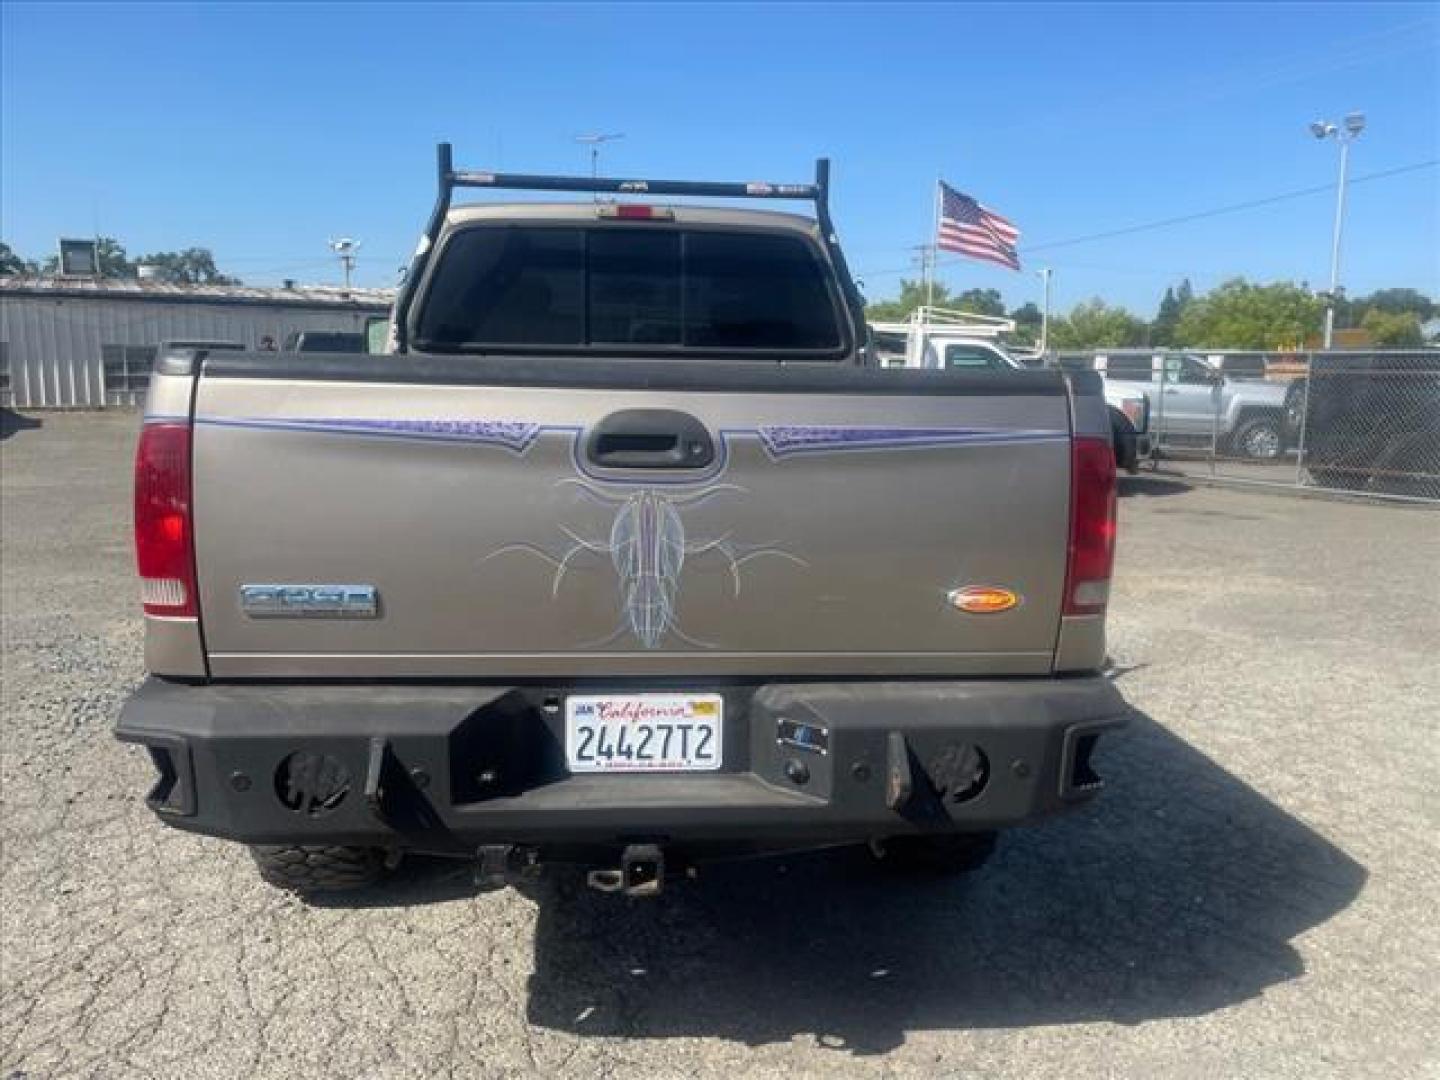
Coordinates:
<point>1250,204</point>
<point>1180,219</point>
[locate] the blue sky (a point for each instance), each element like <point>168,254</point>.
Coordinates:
<point>260,131</point>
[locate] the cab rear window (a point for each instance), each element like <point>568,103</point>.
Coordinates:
<point>973,357</point>
<point>629,288</point>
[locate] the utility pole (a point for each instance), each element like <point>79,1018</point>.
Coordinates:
<point>345,249</point>
<point>1323,129</point>
<point>925,255</point>
<point>1045,274</point>
<point>595,142</point>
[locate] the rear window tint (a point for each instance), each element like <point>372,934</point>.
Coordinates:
<point>617,287</point>
<point>634,288</point>
<point>509,287</point>
<point>756,292</point>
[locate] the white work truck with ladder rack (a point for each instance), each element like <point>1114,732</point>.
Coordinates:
<point>945,339</point>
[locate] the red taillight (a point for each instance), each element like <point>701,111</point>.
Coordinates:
<point>164,549</point>
<point>1092,526</point>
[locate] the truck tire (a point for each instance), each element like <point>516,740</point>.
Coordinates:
<point>948,853</point>
<point>318,869</point>
<point>1122,432</point>
<point>1260,438</point>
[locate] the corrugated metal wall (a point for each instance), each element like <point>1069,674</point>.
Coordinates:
<point>52,345</point>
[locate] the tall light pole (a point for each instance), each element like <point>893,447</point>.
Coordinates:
<point>344,249</point>
<point>1045,275</point>
<point>1344,134</point>
<point>595,142</point>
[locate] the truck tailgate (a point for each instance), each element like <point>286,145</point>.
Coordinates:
<point>833,516</point>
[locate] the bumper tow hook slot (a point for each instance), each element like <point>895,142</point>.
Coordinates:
<point>641,873</point>
<point>374,777</point>
<point>899,780</point>
<point>607,881</point>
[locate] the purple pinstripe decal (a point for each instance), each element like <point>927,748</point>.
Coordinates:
<point>779,441</point>
<point>783,441</point>
<point>514,435</point>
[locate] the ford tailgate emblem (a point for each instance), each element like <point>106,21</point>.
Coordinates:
<point>303,601</point>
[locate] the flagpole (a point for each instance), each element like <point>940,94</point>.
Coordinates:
<point>932,250</point>
<point>1045,314</point>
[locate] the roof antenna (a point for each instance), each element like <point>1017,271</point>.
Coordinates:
<point>595,142</point>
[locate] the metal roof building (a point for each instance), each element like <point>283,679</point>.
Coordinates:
<point>90,342</point>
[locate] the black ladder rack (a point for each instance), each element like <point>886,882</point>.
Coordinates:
<point>450,179</point>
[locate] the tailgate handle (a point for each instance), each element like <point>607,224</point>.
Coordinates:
<point>650,439</point>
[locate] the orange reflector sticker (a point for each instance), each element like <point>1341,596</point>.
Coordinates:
<point>983,599</point>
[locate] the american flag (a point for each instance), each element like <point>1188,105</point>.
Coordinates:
<point>971,229</point>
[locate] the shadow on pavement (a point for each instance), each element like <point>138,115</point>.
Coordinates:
<point>1150,487</point>
<point>1176,894</point>
<point>12,421</point>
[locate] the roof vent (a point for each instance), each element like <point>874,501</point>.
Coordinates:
<point>79,258</point>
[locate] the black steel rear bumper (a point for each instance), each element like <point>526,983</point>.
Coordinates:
<point>448,768</point>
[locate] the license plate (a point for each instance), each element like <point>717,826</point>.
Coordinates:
<point>644,732</point>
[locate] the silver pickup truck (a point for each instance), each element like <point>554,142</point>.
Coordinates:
<point>623,554</point>
<point>1197,403</point>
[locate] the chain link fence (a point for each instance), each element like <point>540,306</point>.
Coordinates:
<point>1364,422</point>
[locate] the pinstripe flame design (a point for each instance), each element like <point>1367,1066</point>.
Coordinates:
<point>648,548</point>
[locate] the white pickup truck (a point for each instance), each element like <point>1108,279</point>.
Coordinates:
<point>946,339</point>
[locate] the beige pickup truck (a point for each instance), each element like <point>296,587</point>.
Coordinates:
<point>624,552</point>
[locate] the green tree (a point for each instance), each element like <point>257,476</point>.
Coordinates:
<point>1351,312</point>
<point>979,302</point>
<point>1399,329</point>
<point>1400,302</point>
<point>1172,306</point>
<point>1239,315</point>
<point>1095,324</point>
<point>1028,319</point>
<point>193,266</point>
<point>1162,329</point>
<point>1028,314</point>
<point>912,296</point>
<point>1348,313</point>
<point>12,264</point>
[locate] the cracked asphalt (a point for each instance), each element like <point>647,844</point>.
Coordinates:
<point>1255,894</point>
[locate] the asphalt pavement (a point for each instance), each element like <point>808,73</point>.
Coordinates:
<point>1254,895</point>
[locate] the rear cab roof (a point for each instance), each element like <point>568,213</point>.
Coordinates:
<point>741,217</point>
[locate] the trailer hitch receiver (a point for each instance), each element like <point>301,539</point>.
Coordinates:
<point>641,872</point>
